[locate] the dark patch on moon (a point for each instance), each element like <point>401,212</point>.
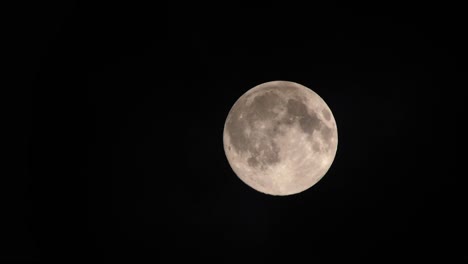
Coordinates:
<point>296,108</point>
<point>271,153</point>
<point>266,153</point>
<point>265,103</point>
<point>252,161</point>
<point>275,129</point>
<point>326,113</point>
<point>236,125</point>
<point>308,122</point>
<point>287,120</point>
<point>316,146</point>
<point>327,133</point>
<point>262,106</point>
<point>235,128</point>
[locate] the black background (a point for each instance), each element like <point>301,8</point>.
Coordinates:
<point>121,111</point>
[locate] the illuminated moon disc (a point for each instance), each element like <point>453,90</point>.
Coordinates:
<point>280,138</point>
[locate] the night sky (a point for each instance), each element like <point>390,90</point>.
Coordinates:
<point>121,123</point>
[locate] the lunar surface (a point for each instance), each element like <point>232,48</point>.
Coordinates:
<point>280,138</point>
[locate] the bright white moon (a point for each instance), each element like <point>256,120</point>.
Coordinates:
<point>280,138</point>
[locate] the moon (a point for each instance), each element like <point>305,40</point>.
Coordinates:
<point>280,138</point>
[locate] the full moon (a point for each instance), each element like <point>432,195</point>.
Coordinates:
<point>280,138</point>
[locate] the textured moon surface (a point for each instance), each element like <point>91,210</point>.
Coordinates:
<point>280,138</point>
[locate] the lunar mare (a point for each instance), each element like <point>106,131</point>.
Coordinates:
<point>280,138</point>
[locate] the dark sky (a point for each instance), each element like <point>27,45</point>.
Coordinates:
<point>122,108</point>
